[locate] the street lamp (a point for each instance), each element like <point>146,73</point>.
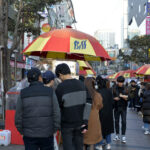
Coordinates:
<point>1,81</point>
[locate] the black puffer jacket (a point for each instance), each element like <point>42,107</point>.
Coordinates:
<point>37,112</point>
<point>146,107</point>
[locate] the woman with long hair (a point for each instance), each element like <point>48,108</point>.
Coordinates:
<point>94,134</point>
<point>106,113</point>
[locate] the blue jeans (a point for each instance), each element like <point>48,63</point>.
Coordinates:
<point>108,140</point>
<point>39,143</point>
<point>146,126</point>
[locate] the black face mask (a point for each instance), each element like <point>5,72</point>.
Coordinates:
<point>133,85</point>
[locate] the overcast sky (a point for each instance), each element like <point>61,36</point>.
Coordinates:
<point>92,15</point>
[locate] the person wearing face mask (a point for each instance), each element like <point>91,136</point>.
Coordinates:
<point>133,95</point>
<point>106,113</point>
<point>120,97</point>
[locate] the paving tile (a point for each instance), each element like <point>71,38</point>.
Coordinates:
<point>136,140</point>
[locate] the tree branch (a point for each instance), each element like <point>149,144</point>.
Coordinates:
<point>15,35</point>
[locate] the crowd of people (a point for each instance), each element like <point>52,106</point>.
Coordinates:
<point>86,110</point>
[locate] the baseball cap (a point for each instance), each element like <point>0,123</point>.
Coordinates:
<point>33,74</point>
<point>48,76</point>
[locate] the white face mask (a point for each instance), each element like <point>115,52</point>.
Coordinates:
<point>96,86</point>
<point>111,84</point>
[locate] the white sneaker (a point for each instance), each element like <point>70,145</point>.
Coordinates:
<point>99,147</point>
<point>124,139</point>
<point>116,138</point>
<point>146,132</point>
<point>108,146</point>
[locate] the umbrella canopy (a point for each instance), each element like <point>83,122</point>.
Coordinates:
<point>116,75</point>
<point>84,65</point>
<point>129,74</point>
<point>125,73</point>
<point>87,72</point>
<point>110,76</point>
<point>144,70</point>
<point>67,44</point>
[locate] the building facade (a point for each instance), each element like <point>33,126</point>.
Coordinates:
<point>106,38</point>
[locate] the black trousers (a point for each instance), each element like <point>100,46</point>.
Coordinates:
<point>72,139</point>
<point>132,103</point>
<point>39,143</point>
<point>120,112</point>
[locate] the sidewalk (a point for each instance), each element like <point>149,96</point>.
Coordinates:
<point>136,140</point>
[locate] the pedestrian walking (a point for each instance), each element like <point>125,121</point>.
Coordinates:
<point>106,112</point>
<point>133,95</point>
<point>37,115</point>
<point>120,107</point>
<point>94,134</point>
<point>48,78</point>
<point>146,109</point>
<point>141,95</point>
<point>71,94</point>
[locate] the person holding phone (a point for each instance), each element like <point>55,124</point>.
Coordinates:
<point>120,107</point>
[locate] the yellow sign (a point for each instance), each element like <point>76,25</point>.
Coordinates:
<point>46,27</point>
<point>82,46</point>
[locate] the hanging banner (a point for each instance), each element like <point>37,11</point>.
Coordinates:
<point>148,8</point>
<point>148,25</point>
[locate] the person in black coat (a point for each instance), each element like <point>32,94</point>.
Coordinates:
<point>133,95</point>
<point>120,96</point>
<point>146,109</point>
<point>106,113</point>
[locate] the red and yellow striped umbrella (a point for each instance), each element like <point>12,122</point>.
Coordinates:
<point>67,44</point>
<point>129,74</point>
<point>116,75</point>
<point>84,65</point>
<point>125,73</point>
<point>87,72</point>
<point>144,70</point>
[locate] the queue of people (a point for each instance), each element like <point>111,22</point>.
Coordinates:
<point>86,111</point>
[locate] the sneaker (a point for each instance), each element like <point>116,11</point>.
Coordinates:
<point>146,132</point>
<point>116,138</point>
<point>108,146</point>
<point>99,147</point>
<point>124,139</point>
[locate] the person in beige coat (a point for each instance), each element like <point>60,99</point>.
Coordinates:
<point>94,133</point>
